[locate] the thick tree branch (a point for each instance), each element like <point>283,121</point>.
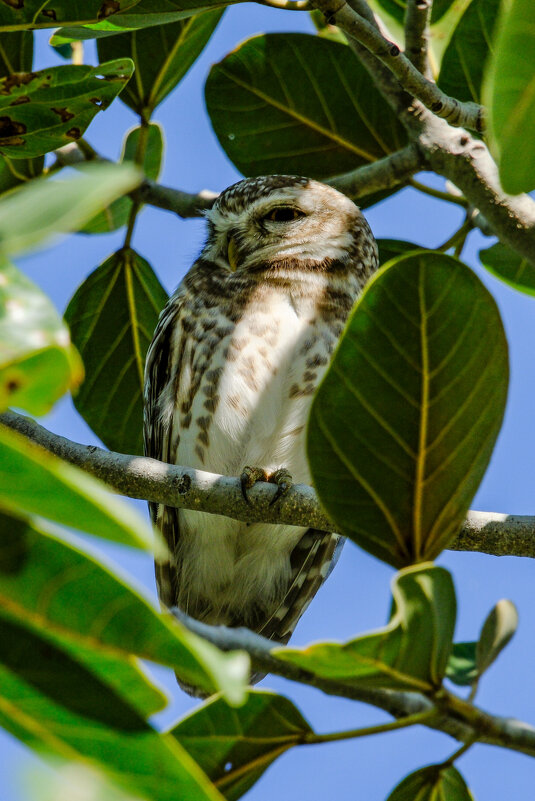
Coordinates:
<point>466,115</point>
<point>185,204</point>
<point>186,488</point>
<point>417,19</point>
<point>454,716</point>
<point>386,173</point>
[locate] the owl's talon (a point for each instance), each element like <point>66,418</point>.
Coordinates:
<point>249,477</point>
<point>283,480</point>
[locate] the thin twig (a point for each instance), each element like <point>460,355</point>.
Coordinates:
<point>417,18</point>
<point>438,193</point>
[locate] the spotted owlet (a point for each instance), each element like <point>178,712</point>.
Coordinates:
<point>236,358</point>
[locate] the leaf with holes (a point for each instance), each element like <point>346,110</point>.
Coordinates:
<point>510,267</point>
<point>162,56</point>
<point>49,584</point>
<point>463,64</point>
<point>273,112</point>
<point>509,96</point>
<point>410,653</point>
<point>41,111</point>
<point>21,14</point>
<point>45,207</point>
<point>403,424</point>
<point>57,706</point>
<point>34,481</point>
<point>117,213</point>
<point>112,317</point>
<point>432,783</point>
<point>37,361</point>
<point>247,741</point>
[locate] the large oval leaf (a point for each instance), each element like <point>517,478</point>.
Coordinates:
<point>48,583</point>
<point>294,103</point>
<point>432,783</point>
<point>411,653</point>
<point>404,423</point>
<point>112,317</point>
<point>509,94</point>
<point>162,56</point>
<point>41,111</point>
<point>235,746</point>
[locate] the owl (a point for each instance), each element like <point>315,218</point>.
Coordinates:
<point>235,360</point>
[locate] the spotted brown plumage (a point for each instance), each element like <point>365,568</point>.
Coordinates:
<point>236,358</point>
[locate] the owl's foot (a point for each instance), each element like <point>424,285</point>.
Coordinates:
<point>250,476</point>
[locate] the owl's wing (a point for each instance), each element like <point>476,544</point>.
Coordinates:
<point>312,560</point>
<point>162,373</point>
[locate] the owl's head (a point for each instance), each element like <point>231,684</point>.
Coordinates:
<point>276,218</point>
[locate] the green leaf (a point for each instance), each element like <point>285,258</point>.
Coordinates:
<point>14,172</point>
<point>34,481</point>
<point>463,63</point>
<point>509,94</point>
<point>58,707</point>
<point>274,111</point>
<point>41,111</point>
<point>66,780</point>
<point>112,317</point>
<point>52,586</point>
<point>498,630</point>
<point>247,740</point>
<point>37,361</point>
<point>404,422</point>
<point>432,783</point>
<point>462,668</point>
<point>44,207</point>
<point>510,267</point>
<point>117,213</point>
<point>390,248</point>
<point>410,653</point>
<point>16,52</point>
<point>325,29</point>
<point>162,56</point>
<point>22,14</point>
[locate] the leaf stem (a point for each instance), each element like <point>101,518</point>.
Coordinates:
<point>401,723</point>
<point>458,239</point>
<point>139,159</point>
<point>429,190</point>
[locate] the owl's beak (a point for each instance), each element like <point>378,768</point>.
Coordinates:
<point>232,254</point>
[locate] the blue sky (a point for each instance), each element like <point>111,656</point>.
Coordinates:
<point>356,598</point>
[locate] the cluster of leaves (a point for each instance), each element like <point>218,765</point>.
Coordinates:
<point>425,340</point>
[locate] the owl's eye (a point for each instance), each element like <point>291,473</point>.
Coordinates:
<point>284,214</point>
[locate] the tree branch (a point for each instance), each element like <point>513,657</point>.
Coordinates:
<point>417,19</point>
<point>455,717</point>
<point>386,173</point>
<point>185,204</point>
<point>186,488</point>
<point>467,115</point>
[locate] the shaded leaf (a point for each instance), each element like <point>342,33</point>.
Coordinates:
<point>34,481</point>
<point>58,707</point>
<point>49,584</point>
<point>41,111</point>
<point>273,112</point>
<point>511,267</point>
<point>463,63</point>
<point>117,213</point>
<point>16,52</point>
<point>432,783</point>
<point>462,668</point>
<point>37,361</point>
<point>18,171</point>
<point>36,212</point>
<point>325,29</point>
<point>509,96</point>
<point>404,422</point>
<point>247,740</point>
<point>112,317</point>
<point>36,14</point>
<point>410,653</point>
<point>162,56</point>
<point>390,248</point>
<point>498,630</point>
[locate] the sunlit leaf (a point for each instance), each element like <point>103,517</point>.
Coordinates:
<point>432,783</point>
<point>37,14</point>
<point>510,97</point>
<point>498,630</point>
<point>273,111</point>
<point>404,422</point>
<point>41,111</point>
<point>162,56</point>
<point>50,584</point>
<point>67,781</point>
<point>411,653</point>
<point>112,317</point>
<point>45,207</point>
<point>149,139</point>
<point>37,361</point>
<point>390,248</point>
<point>462,668</point>
<point>511,267</point>
<point>34,481</point>
<point>247,740</point>
<point>461,71</point>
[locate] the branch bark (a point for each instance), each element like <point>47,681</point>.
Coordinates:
<point>417,18</point>
<point>186,488</point>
